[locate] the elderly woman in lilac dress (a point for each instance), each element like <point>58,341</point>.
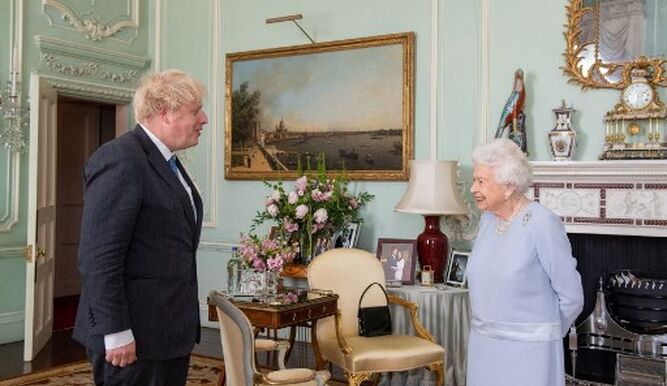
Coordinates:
<point>525,291</point>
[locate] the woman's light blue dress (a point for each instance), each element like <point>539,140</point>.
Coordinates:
<point>525,293</point>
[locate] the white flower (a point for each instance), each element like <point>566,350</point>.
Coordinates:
<point>301,211</point>
<point>292,198</point>
<point>272,209</point>
<point>321,216</point>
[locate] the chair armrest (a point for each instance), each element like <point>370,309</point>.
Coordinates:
<point>281,346</point>
<point>342,343</point>
<point>412,306</point>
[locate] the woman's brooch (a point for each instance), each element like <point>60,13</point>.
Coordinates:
<point>526,217</point>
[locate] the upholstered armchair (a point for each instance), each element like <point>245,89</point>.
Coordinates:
<point>238,348</point>
<point>347,272</point>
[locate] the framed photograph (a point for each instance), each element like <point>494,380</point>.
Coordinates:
<point>348,237</point>
<point>274,232</point>
<point>456,269</point>
<point>351,100</point>
<point>398,260</point>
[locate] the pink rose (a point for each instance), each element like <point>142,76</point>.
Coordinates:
<point>293,197</point>
<point>272,209</point>
<point>275,264</point>
<point>259,265</point>
<point>301,183</point>
<point>321,216</point>
<point>268,201</point>
<point>301,211</point>
<point>276,196</point>
<point>290,226</point>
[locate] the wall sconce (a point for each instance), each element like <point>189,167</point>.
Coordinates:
<point>15,124</point>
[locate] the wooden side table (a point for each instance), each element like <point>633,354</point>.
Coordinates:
<point>271,316</point>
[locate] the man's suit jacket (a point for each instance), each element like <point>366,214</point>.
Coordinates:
<point>137,252</point>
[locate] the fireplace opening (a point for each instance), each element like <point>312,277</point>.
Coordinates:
<point>598,256</point>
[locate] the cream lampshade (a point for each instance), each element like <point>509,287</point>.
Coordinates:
<point>432,192</point>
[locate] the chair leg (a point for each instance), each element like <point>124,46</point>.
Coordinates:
<point>439,370</point>
<point>356,379</point>
<point>376,379</point>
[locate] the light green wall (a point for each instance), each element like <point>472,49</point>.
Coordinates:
<point>523,33</point>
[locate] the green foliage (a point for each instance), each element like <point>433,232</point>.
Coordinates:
<point>245,108</point>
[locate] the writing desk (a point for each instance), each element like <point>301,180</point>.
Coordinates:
<point>445,313</point>
<point>308,308</point>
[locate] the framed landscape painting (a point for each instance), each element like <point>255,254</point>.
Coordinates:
<point>351,100</point>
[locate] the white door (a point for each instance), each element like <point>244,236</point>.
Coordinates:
<point>41,216</point>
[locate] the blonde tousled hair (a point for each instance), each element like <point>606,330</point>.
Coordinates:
<point>168,90</point>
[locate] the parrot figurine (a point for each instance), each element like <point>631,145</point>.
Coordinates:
<point>513,106</point>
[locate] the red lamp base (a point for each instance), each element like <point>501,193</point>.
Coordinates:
<point>432,247</point>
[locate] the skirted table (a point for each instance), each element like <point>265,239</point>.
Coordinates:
<point>445,313</point>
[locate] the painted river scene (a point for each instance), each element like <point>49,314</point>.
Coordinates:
<point>345,104</point>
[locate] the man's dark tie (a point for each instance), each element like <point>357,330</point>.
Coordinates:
<point>172,164</point>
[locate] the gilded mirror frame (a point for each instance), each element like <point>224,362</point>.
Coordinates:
<point>595,78</point>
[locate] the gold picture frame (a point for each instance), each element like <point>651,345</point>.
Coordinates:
<point>351,100</point>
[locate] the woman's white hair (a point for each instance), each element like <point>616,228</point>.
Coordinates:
<point>510,166</point>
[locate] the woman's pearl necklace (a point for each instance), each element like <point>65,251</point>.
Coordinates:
<point>503,225</point>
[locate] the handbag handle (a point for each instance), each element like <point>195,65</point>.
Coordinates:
<point>367,288</point>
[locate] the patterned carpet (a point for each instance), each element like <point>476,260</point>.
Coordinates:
<point>203,371</point>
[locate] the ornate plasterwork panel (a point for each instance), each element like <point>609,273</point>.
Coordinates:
<point>78,70</point>
<point>605,197</point>
<point>97,20</point>
<point>9,216</point>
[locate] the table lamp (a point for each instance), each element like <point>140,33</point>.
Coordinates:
<point>432,192</point>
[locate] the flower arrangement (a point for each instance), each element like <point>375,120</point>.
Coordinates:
<point>266,254</point>
<point>314,210</point>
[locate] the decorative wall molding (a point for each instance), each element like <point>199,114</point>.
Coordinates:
<point>211,202</point>
<point>485,67</point>
<point>81,61</point>
<point>605,197</point>
<point>60,47</point>
<point>89,69</point>
<point>90,90</point>
<point>12,317</point>
<point>10,217</point>
<point>11,252</point>
<point>91,23</point>
<point>463,228</point>
<point>157,33</point>
<point>89,72</point>
<point>216,246</point>
<point>214,71</point>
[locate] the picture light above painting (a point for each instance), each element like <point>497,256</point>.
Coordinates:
<point>351,100</point>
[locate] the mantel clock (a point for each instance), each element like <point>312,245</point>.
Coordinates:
<point>635,127</point>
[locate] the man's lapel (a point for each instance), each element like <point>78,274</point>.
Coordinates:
<point>162,168</point>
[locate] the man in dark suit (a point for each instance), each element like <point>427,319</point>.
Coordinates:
<point>139,310</point>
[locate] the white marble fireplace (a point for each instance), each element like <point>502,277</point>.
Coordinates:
<point>601,203</point>
<point>605,197</point>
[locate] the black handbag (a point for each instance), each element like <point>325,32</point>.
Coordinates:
<point>374,321</point>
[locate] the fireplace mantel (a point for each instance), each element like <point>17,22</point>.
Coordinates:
<point>605,197</point>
